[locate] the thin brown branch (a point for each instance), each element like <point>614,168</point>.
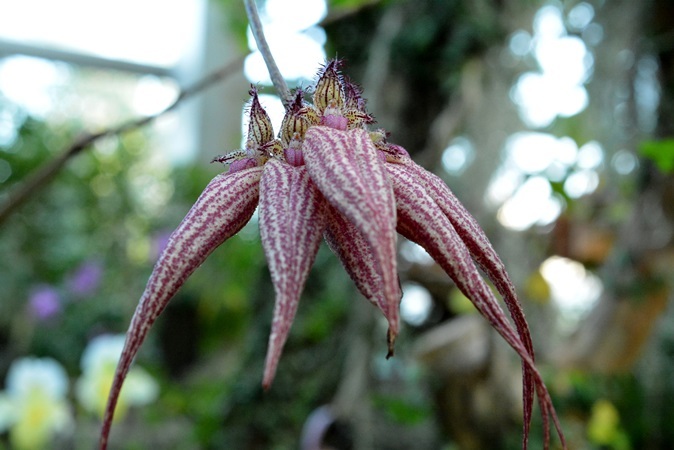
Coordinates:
<point>263,47</point>
<point>50,169</point>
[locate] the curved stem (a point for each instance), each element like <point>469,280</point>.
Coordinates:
<point>263,47</point>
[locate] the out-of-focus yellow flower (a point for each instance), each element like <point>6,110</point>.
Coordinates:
<point>604,426</point>
<point>98,368</point>
<point>34,407</point>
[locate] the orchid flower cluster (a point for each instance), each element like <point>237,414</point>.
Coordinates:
<point>326,176</point>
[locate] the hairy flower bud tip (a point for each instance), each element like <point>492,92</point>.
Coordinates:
<point>329,87</point>
<point>260,130</point>
<point>354,98</point>
<point>294,125</point>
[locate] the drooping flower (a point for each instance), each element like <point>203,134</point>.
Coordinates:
<point>327,176</point>
<point>34,407</point>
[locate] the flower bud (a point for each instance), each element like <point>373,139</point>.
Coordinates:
<point>260,130</point>
<point>329,87</point>
<point>293,123</point>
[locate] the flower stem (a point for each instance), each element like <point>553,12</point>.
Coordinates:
<point>263,47</point>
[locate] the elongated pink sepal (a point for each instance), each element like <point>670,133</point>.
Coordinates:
<point>486,257</point>
<point>357,257</point>
<point>349,172</point>
<point>224,207</point>
<point>422,220</point>
<point>292,220</point>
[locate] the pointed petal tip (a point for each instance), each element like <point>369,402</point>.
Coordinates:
<point>268,378</point>
<point>391,340</point>
<point>269,374</point>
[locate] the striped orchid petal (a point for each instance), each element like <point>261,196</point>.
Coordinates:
<point>349,172</point>
<point>477,242</point>
<point>356,255</point>
<point>292,221</point>
<point>358,260</point>
<point>421,220</point>
<point>487,259</point>
<point>224,207</point>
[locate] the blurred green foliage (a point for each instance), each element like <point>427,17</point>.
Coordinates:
<point>660,152</point>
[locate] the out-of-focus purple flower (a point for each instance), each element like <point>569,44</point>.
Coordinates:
<point>86,278</point>
<point>44,302</point>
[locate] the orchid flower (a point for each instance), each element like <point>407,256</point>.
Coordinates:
<point>34,406</point>
<point>327,176</point>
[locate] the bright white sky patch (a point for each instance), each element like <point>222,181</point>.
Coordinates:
<point>416,304</point>
<point>530,201</point>
<point>153,95</point>
<point>29,82</point>
<point>549,23</point>
<point>297,45</point>
<point>565,60</point>
<point>574,289</point>
<point>296,15</point>
<point>415,253</point>
<point>532,204</point>
<point>590,155</point>
<point>298,55</point>
<point>541,99</point>
<point>565,65</point>
<point>143,31</point>
<point>534,152</point>
<point>582,182</point>
<point>503,184</point>
<point>556,89</point>
<point>458,155</point>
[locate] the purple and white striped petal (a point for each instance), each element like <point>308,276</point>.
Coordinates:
<point>224,207</point>
<point>356,255</point>
<point>487,259</point>
<point>347,169</point>
<point>422,220</point>
<point>292,220</point>
<point>358,259</point>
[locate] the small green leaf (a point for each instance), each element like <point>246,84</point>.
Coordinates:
<point>660,152</point>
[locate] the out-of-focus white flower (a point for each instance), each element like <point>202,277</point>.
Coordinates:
<point>34,407</point>
<point>98,368</point>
